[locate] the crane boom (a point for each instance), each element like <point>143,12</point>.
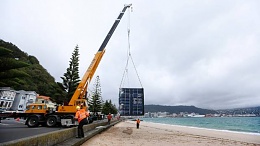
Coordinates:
<point>79,94</point>
<point>110,33</point>
<point>40,114</point>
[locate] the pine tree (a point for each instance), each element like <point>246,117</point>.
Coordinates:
<point>71,77</point>
<point>108,107</point>
<point>95,101</point>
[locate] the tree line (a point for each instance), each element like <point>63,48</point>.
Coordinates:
<point>21,71</point>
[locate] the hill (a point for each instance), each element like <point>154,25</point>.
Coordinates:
<point>241,111</point>
<point>38,79</point>
<point>177,109</point>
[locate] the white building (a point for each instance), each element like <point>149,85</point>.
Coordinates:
<point>147,115</point>
<point>162,114</point>
<point>7,96</point>
<point>22,99</point>
<point>46,100</point>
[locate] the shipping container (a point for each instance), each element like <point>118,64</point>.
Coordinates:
<point>131,101</point>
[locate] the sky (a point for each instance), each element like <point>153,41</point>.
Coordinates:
<point>204,53</point>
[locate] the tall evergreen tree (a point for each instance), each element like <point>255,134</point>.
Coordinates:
<point>95,101</point>
<point>108,107</point>
<point>71,77</point>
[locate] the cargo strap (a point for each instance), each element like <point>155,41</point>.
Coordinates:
<point>129,56</point>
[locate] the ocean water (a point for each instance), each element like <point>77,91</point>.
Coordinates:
<point>238,124</point>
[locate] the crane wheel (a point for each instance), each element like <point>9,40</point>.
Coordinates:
<point>51,121</point>
<point>33,121</point>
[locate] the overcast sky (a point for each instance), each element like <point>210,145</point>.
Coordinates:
<point>204,53</point>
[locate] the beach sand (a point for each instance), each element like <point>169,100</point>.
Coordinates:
<point>152,134</point>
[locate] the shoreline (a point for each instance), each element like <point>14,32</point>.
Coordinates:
<point>224,134</point>
<point>220,130</point>
<point>125,133</point>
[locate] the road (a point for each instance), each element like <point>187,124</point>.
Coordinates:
<point>11,129</point>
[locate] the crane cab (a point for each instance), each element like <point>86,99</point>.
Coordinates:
<point>37,108</point>
<point>72,108</point>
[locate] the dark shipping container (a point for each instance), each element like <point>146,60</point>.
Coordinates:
<point>131,101</point>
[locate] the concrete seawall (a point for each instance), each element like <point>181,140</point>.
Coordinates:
<point>57,137</point>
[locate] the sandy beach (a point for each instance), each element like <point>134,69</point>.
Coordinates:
<point>152,134</point>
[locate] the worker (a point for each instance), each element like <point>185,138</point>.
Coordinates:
<point>81,116</point>
<point>109,117</point>
<point>137,123</point>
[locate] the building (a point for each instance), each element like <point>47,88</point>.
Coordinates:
<point>7,96</point>
<point>22,99</point>
<point>46,100</point>
<point>131,101</point>
<point>162,114</point>
<point>147,115</point>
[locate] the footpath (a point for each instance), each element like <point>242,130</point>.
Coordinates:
<point>88,134</point>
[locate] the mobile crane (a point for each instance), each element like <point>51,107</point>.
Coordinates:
<point>40,114</point>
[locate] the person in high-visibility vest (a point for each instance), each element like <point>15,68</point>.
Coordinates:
<point>109,117</point>
<point>137,123</point>
<point>81,116</point>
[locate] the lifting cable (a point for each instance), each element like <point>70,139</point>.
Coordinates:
<point>129,55</point>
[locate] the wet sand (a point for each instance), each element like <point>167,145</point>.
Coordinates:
<point>152,134</point>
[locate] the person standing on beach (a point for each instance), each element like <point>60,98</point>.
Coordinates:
<point>109,117</point>
<point>137,123</point>
<point>81,116</point>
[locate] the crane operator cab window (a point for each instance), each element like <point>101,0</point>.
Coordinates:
<point>27,107</point>
<point>80,102</point>
<point>39,107</point>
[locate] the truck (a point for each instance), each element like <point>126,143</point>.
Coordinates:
<point>39,114</point>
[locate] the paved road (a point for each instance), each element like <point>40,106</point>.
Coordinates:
<point>11,129</point>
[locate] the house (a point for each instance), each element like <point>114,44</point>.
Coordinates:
<point>46,100</point>
<point>7,96</point>
<point>22,99</point>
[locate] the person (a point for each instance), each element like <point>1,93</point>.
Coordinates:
<point>137,123</point>
<point>81,115</point>
<point>109,117</point>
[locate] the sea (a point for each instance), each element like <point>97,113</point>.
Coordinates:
<point>249,125</point>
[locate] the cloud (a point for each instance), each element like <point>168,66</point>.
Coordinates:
<point>190,53</point>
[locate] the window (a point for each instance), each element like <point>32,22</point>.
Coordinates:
<point>39,107</point>
<point>6,104</point>
<point>4,93</point>
<point>23,97</point>
<point>20,106</point>
<point>9,105</point>
<point>2,103</point>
